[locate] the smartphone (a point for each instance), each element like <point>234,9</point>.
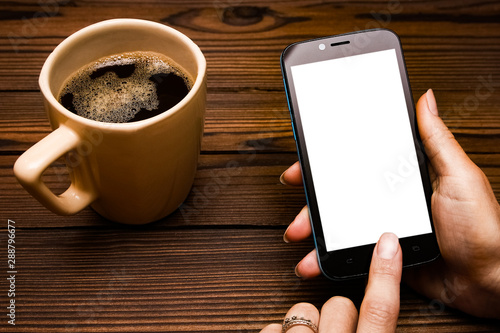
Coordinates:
<point>363,164</point>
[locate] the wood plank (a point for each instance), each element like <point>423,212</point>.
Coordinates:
<point>229,190</point>
<point>448,64</point>
<point>162,280</point>
<point>219,263</point>
<point>253,121</point>
<point>444,38</point>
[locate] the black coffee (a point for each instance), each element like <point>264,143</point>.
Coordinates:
<point>125,88</point>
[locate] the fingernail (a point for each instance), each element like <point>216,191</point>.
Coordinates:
<point>431,102</point>
<point>282,178</point>
<point>297,271</point>
<point>286,240</point>
<point>284,234</point>
<point>387,246</point>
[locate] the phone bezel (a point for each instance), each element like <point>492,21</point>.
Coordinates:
<point>352,262</point>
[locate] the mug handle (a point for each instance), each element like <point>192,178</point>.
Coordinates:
<point>30,166</point>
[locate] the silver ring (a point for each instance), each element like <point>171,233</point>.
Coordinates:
<point>294,320</point>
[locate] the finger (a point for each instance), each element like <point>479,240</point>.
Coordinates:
<point>292,175</point>
<point>305,311</point>
<point>380,307</point>
<point>300,228</point>
<point>445,154</point>
<point>338,314</point>
<point>273,328</point>
<point>308,267</point>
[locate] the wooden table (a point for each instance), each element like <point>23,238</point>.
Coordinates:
<point>219,263</point>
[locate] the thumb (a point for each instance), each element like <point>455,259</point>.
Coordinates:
<point>445,154</point>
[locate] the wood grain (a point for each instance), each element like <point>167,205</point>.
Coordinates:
<point>219,263</point>
<point>133,280</point>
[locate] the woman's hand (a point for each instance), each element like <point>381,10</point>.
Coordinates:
<point>380,307</point>
<point>466,217</point>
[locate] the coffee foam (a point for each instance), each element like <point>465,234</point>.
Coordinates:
<point>109,98</point>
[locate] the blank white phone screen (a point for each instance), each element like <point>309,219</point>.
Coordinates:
<point>360,147</point>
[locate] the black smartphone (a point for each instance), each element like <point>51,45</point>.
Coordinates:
<point>363,164</point>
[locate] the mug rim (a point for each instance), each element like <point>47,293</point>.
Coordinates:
<point>119,23</point>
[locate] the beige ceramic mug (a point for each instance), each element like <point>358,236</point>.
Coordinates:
<point>134,172</point>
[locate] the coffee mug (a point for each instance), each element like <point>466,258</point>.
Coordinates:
<point>132,173</point>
